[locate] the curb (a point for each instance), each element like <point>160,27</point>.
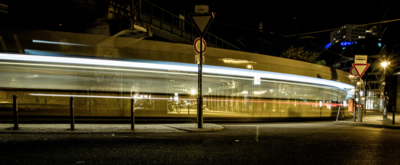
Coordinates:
<point>196,129</point>
<point>369,125</point>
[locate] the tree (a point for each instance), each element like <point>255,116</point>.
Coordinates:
<point>298,53</point>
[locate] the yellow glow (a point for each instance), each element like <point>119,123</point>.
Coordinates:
<point>384,64</point>
<point>236,61</point>
<point>259,92</point>
<point>249,66</point>
<point>193,92</point>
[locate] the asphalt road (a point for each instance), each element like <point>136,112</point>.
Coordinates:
<point>266,143</point>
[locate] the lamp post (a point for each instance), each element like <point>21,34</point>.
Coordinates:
<point>252,90</point>
<point>384,65</point>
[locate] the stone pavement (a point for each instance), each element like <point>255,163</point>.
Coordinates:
<point>108,128</point>
<point>375,119</point>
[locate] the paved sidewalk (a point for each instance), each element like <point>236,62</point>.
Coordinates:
<point>108,128</point>
<point>375,119</point>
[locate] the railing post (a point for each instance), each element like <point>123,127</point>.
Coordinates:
<point>71,106</point>
<point>172,25</point>
<point>151,18</point>
<point>162,19</point>
<point>132,115</point>
<point>181,28</point>
<point>15,110</point>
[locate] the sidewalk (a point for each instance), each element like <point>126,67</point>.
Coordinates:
<point>375,119</point>
<point>108,128</point>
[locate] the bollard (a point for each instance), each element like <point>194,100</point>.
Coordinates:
<point>71,105</point>
<point>15,110</point>
<point>393,110</point>
<point>132,115</point>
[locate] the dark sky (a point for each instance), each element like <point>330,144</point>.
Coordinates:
<point>278,16</point>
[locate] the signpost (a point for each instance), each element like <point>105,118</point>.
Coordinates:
<point>202,20</point>
<point>360,66</point>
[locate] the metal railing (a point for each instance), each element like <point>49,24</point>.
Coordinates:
<point>165,20</point>
<point>72,115</point>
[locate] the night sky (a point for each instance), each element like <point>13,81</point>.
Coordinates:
<point>235,22</point>
<point>241,19</point>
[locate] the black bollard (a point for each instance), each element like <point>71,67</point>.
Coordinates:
<point>393,110</point>
<point>15,110</point>
<point>132,115</point>
<point>71,105</point>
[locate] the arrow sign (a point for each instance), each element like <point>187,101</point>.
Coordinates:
<point>360,68</point>
<point>202,22</point>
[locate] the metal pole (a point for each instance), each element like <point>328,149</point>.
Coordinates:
<point>338,112</point>
<point>200,88</point>
<point>252,94</point>
<point>393,110</point>
<point>132,115</point>
<point>384,94</point>
<point>355,96</point>
<point>15,110</point>
<point>362,107</point>
<point>189,107</point>
<point>71,105</point>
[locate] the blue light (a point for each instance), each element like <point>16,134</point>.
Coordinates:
<point>379,45</point>
<point>346,43</point>
<point>328,45</point>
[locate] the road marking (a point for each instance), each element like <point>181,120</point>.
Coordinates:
<point>257,135</point>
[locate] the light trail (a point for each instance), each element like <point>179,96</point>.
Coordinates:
<point>174,67</point>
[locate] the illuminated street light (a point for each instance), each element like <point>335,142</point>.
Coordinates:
<point>384,64</point>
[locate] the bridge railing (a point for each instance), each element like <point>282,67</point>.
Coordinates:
<point>165,20</point>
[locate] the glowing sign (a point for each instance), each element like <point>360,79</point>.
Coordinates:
<point>328,45</point>
<point>346,43</point>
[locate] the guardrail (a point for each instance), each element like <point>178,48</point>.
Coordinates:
<point>72,116</point>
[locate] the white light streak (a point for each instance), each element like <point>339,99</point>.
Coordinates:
<point>173,67</point>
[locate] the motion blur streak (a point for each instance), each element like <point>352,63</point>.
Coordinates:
<point>59,43</point>
<point>155,98</point>
<point>174,67</point>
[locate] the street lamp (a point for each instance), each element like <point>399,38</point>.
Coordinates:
<point>252,91</point>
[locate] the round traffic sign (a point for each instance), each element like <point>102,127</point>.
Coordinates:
<point>353,71</point>
<point>196,46</point>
